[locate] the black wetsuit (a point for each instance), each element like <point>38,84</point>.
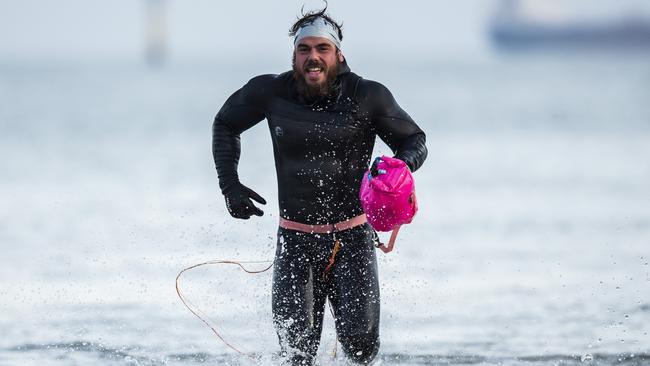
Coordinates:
<point>321,149</point>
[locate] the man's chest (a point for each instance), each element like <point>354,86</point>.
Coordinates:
<point>301,129</point>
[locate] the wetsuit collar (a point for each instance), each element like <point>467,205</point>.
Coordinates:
<point>344,68</point>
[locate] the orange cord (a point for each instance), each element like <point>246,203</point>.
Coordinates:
<point>337,247</point>
<point>195,312</point>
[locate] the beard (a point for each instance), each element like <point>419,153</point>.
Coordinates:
<point>315,92</point>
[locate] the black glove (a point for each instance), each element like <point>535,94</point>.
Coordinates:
<point>239,204</point>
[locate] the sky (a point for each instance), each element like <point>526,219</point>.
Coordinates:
<point>100,29</point>
<point>207,28</point>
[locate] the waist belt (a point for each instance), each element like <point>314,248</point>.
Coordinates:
<point>323,229</point>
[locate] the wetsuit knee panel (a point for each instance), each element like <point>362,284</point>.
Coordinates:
<point>361,348</point>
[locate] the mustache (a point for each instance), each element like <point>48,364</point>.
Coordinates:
<point>314,63</point>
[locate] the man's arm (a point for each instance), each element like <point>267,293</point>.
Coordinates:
<point>240,112</point>
<point>393,125</point>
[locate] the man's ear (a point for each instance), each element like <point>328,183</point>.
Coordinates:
<point>340,56</point>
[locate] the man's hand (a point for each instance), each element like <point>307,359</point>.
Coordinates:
<point>239,204</point>
<point>374,170</point>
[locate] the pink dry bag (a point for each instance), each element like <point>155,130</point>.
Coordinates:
<point>388,197</point>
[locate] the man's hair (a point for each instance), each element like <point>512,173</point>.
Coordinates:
<point>309,17</point>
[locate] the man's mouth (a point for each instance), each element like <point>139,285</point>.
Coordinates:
<point>313,72</point>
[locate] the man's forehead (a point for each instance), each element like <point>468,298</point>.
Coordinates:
<point>314,41</point>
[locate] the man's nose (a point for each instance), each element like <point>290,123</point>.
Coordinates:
<point>313,55</point>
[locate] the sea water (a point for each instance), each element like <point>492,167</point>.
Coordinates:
<point>531,246</point>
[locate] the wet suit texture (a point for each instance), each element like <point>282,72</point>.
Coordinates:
<point>321,150</point>
<point>301,287</point>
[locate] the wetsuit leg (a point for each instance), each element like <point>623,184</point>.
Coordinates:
<point>354,294</point>
<point>299,294</point>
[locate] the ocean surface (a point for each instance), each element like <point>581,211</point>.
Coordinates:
<point>531,246</point>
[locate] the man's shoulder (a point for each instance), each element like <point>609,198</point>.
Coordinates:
<point>371,90</point>
<point>263,86</point>
<point>269,79</point>
<point>371,86</point>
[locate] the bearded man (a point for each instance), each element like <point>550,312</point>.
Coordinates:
<point>323,121</point>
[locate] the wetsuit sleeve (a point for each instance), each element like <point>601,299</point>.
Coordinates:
<point>242,110</point>
<point>393,125</point>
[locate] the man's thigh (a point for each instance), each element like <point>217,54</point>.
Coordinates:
<point>354,285</point>
<point>298,298</point>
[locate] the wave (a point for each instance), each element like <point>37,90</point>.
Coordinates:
<point>127,354</point>
<point>136,355</point>
<point>600,359</point>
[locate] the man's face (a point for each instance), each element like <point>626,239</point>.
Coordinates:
<point>314,59</point>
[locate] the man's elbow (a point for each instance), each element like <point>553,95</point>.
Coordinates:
<point>415,152</point>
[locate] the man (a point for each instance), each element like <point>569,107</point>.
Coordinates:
<point>323,121</point>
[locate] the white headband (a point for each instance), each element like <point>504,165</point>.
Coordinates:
<point>319,28</point>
